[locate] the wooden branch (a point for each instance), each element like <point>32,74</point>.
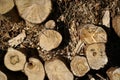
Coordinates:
<point>6,6</point>
<point>14,60</point>
<point>3,76</point>
<point>49,39</point>
<point>34,11</point>
<point>50,24</point>
<point>34,69</point>
<point>93,34</point>
<point>57,70</point>
<point>79,66</point>
<point>96,55</point>
<point>113,73</point>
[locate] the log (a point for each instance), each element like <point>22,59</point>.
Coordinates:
<point>34,11</point>
<point>57,70</point>
<point>6,6</point>
<point>34,69</point>
<point>96,55</point>
<point>50,24</point>
<point>79,66</point>
<point>14,60</point>
<point>93,34</point>
<point>116,24</point>
<point>113,73</point>
<point>3,76</point>
<point>49,39</point>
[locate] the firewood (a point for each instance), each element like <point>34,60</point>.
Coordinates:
<point>116,24</point>
<point>96,55</point>
<point>50,24</point>
<point>93,34</point>
<point>34,11</point>
<point>49,39</point>
<point>6,6</point>
<point>34,69</point>
<point>57,70</point>
<point>3,76</point>
<point>113,73</point>
<point>79,66</point>
<point>14,60</point>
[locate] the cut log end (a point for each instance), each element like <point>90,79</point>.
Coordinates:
<point>79,66</point>
<point>57,70</point>
<point>14,60</point>
<point>96,56</point>
<point>50,24</point>
<point>3,76</point>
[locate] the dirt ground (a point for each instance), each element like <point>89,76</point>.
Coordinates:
<point>65,13</point>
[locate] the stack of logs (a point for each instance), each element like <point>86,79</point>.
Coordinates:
<point>93,37</point>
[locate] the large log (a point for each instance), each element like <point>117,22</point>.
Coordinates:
<point>57,70</point>
<point>3,76</point>
<point>96,55</point>
<point>79,66</point>
<point>34,11</point>
<point>14,60</point>
<point>113,73</point>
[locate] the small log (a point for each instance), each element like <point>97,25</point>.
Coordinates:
<point>34,11</point>
<point>79,66</point>
<point>3,76</point>
<point>113,73</point>
<point>57,70</point>
<point>49,39</point>
<point>50,24</point>
<point>14,60</point>
<point>34,69</point>
<point>93,34</point>
<point>116,24</point>
<point>6,6</point>
<point>96,55</point>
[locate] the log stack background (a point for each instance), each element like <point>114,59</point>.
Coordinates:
<point>62,40</point>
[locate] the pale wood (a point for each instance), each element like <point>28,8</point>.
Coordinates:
<point>34,69</point>
<point>14,60</point>
<point>50,24</point>
<point>34,11</point>
<point>6,6</point>
<point>3,76</point>
<point>113,73</point>
<point>116,24</point>
<point>79,66</point>
<point>96,55</point>
<point>57,70</point>
<point>93,34</point>
<point>49,39</point>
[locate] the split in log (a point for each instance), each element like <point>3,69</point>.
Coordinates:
<point>14,60</point>
<point>3,76</point>
<point>34,11</point>
<point>49,39</point>
<point>34,69</point>
<point>6,6</point>
<point>116,24</point>
<point>57,70</point>
<point>79,66</point>
<point>50,24</point>
<point>96,55</point>
<point>113,73</point>
<point>93,34</point>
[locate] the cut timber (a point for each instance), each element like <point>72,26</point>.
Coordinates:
<point>116,24</point>
<point>49,39</point>
<point>57,70</point>
<point>50,24</point>
<point>6,6</point>
<point>34,11</point>
<point>34,69</point>
<point>79,66</point>
<point>96,55</point>
<point>93,34</point>
<point>113,73</point>
<point>3,76</point>
<point>14,60</point>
